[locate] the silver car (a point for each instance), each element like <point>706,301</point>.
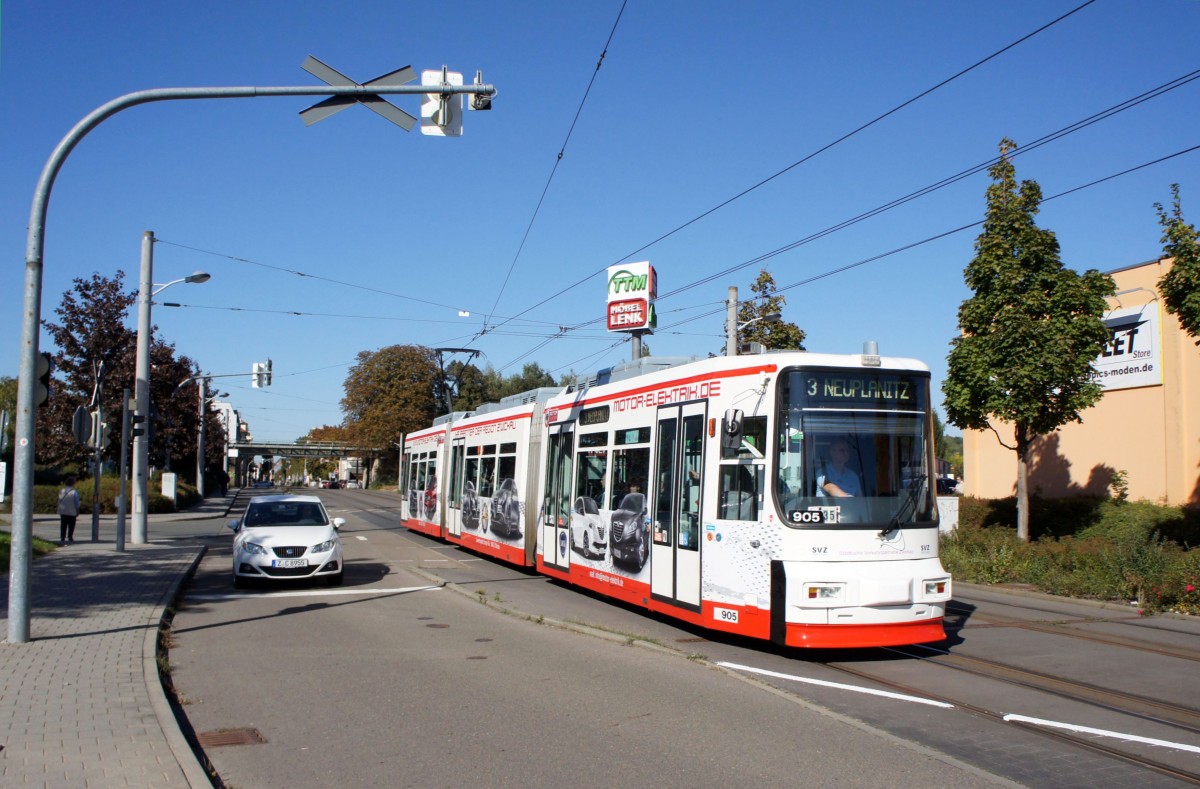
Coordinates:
<point>281,537</point>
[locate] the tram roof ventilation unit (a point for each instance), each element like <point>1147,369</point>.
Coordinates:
<point>539,395</point>
<point>457,416</point>
<point>643,366</point>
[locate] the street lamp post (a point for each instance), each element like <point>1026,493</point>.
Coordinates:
<point>21,549</point>
<point>147,290</point>
<point>732,327</point>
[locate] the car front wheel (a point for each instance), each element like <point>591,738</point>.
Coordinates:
<point>335,580</point>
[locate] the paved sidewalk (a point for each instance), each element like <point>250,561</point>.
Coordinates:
<point>81,704</point>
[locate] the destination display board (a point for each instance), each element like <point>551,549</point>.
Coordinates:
<point>853,389</point>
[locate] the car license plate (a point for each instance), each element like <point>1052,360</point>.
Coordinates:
<point>289,563</point>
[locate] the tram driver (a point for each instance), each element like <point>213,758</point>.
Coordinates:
<point>837,479</point>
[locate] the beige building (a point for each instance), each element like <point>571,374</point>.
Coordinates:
<point>1147,425</point>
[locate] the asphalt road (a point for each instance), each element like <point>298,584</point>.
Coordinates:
<point>392,681</point>
<point>389,682</point>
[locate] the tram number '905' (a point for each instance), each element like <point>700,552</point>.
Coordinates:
<point>725,615</point>
<point>816,515</point>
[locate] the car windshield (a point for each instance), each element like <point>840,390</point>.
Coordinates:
<point>633,502</point>
<point>286,513</point>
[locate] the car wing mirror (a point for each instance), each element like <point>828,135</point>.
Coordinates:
<point>234,524</point>
<point>338,523</point>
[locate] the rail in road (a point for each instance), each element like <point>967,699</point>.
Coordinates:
<point>1029,689</point>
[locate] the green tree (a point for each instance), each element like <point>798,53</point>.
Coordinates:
<point>473,386</point>
<point>476,387</point>
<point>1029,332</point>
<point>390,392</point>
<point>1180,286</point>
<point>781,334</point>
<point>532,376</point>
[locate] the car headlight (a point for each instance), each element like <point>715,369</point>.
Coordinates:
<point>324,547</point>
<point>255,548</point>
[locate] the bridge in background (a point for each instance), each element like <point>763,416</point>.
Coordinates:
<point>243,453</point>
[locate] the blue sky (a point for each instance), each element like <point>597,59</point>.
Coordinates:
<point>695,103</point>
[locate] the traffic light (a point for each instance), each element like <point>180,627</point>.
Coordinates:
<point>137,420</point>
<point>260,374</point>
<point>104,437</point>
<point>45,364</point>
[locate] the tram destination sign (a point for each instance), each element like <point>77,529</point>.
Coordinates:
<point>843,388</point>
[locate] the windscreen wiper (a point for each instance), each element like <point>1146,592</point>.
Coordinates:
<point>893,525</point>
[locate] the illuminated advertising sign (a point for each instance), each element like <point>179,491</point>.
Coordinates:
<point>1132,356</point>
<point>632,288</point>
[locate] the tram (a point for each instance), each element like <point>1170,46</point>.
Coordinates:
<point>784,496</point>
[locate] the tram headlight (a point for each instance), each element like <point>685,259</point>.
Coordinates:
<point>937,588</point>
<point>824,592</point>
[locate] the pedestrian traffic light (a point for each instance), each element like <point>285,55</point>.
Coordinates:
<point>137,420</point>
<point>104,436</point>
<point>45,364</point>
<point>267,372</point>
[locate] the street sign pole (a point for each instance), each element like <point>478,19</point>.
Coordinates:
<point>21,549</point>
<point>123,476</point>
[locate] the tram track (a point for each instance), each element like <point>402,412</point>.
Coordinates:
<point>1079,740</point>
<point>1062,627</point>
<point>1143,707</point>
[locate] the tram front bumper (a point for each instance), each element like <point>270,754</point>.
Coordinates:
<point>864,593</point>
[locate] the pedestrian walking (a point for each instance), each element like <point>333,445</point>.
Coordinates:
<point>68,511</point>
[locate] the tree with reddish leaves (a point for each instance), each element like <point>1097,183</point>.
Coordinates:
<point>93,341</point>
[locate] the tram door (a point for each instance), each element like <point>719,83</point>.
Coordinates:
<point>679,477</point>
<point>454,494</point>
<point>556,506</point>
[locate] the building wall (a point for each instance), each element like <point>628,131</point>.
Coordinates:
<point>1151,432</point>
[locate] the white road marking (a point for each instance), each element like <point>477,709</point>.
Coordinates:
<point>1009,718</point>
<point>1103,733</point>
<point>839,685</point>
<point>360,537</point>
<point>316,593</point>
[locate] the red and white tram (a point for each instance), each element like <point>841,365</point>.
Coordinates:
<point>785,496</point>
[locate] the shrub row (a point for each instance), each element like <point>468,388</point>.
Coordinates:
<point>45,497</point>
<point>1093,548</point>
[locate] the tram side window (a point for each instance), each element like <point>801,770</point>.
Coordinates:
<point>663,526</point>
<point>508,468</point>
<point>689,504</point>
<point>472,475</point>
<point>739,492</point>
<point>456,479</point>
<point>631,471</point>
<point>754,437</point>
<point>487,476</point>
<point>421,467</point>
<point>556,506</point>
<point>589,477</point>
<point>410,473</point>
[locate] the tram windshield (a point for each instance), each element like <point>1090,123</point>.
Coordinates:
<point>854,448</point>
